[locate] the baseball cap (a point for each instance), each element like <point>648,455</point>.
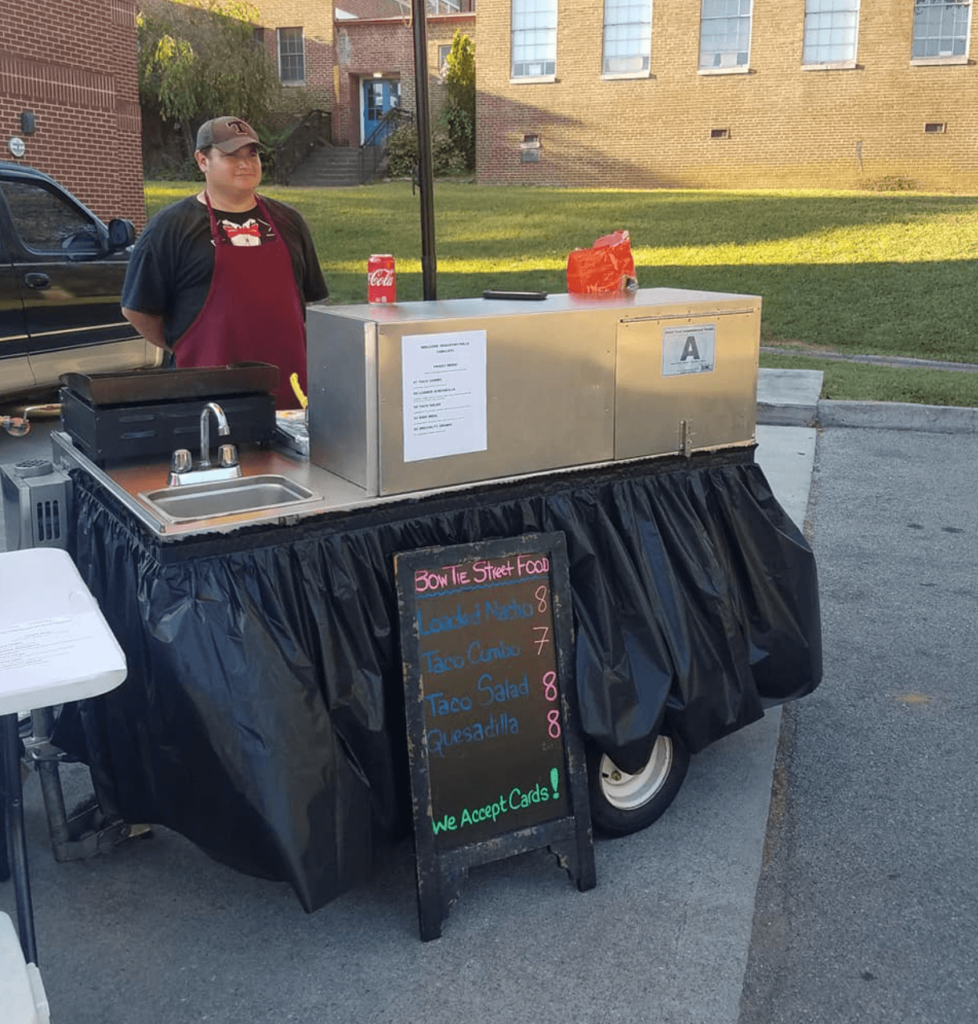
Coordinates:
<point>228,134</point>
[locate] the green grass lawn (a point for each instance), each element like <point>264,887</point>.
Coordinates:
<point>850,272</point>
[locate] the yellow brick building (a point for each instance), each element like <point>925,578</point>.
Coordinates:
<point>732,94</point>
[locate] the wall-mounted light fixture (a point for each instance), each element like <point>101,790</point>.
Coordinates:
<point>28,122</point>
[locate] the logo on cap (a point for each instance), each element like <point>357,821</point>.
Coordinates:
<point>227,133</point>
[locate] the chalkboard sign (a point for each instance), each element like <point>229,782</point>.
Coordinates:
<point>497,765</point>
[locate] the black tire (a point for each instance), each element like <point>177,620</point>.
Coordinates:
<point>622,804</point>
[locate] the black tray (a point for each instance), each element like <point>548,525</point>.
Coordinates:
<point>130,387</point>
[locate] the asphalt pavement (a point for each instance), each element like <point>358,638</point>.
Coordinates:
<point>867,910</point>
<point>155,932</point>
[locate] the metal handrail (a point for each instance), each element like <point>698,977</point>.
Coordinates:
<point>304,137</point>
<point>371,151</point>
<point>440,7</point>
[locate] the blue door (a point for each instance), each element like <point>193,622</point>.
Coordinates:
<point>379,95</point>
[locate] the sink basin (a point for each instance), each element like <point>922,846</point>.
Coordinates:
<point>225,497</point>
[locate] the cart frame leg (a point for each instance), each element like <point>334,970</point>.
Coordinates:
<point>17,839</point>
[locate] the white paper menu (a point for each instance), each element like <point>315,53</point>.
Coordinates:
<point>443,380</point>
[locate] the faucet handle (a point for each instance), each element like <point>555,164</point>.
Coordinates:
<point>227,455</point>
<point>181,462</point>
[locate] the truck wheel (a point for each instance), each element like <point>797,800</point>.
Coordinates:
<point>623,803</point>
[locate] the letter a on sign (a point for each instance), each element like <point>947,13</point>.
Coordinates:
<point>690,349</point>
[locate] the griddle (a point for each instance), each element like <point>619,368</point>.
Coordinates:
<point>148,413</point>
<point>204,383</point>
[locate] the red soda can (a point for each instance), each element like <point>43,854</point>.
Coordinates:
<point>381,281</point>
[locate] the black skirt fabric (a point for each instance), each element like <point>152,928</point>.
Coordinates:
<point>263,713</point>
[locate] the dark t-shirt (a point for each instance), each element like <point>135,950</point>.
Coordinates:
<point>172,263</point>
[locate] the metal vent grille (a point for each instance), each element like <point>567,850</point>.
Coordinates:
<point>36,502</point>
<point>47,522</point>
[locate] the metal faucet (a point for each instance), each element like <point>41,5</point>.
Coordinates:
<point>182,469</point>
<point>205,431</point>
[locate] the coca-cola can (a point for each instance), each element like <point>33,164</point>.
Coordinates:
<point>381,280</point>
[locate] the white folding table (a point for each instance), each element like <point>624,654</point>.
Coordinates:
<point>55,646</point>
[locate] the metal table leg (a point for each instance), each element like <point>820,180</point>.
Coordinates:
<point>17,839</point>
<point>4,857</point>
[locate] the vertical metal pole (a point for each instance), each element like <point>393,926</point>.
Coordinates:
<point>429,263</point>
<point>10,750</point>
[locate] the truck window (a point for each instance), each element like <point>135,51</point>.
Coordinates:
<point>47,221</point>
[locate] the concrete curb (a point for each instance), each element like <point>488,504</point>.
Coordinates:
<point>777,415</point>
<point>790,398</point>
<point>934,419</point>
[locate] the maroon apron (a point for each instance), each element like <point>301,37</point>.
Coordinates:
<point>253,312</point>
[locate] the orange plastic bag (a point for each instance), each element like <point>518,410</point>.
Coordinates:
<point>607,268</point>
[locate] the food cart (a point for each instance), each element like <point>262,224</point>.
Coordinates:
<point>263,716</point>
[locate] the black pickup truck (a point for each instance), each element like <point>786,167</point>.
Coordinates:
<point>61,272</point>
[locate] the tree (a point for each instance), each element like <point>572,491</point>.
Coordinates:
<point>458,113</point>
<point>199,59</point>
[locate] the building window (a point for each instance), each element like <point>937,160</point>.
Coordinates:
<point>534,38</point>
<point>291,56</point>
<point>627,36</point>
<point>830,31</point>
<point>443,52</point>
<point>940,29</point>
<point>724,34</point>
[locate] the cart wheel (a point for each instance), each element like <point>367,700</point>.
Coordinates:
<point>623,803</point>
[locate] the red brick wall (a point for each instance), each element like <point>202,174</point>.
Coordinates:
<point>315,18</point>
<point>387,46</point>
<point>787,127</point>
<point>73,63</point>
<point>364,48</point>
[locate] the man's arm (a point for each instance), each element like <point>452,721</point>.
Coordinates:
<point>149,326</point>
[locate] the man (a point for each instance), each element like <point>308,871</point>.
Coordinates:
<point>223,276</point>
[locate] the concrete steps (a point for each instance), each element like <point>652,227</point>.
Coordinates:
<point>328,167</point>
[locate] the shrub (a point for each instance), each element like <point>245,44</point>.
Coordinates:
<point>402,153</point>
<point>890,183</point>
<point>458,114</point>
